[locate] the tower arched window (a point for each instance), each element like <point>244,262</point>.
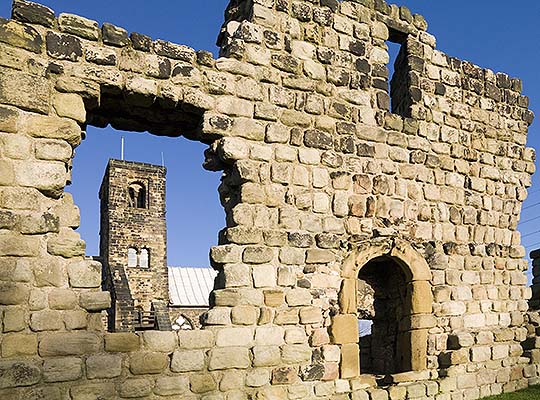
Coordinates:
<point>132,257</point>
<point>144,258</point>
<point>137,195</point>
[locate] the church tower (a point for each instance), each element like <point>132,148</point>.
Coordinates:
<point>133,245</point>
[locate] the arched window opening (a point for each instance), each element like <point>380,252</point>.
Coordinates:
<point>137,195</point>
<point>382,299</point>
<point>132,257</point>
<point>182,323</point>
<point>144,258</point>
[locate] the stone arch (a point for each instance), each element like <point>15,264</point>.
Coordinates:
<point>418,304</point>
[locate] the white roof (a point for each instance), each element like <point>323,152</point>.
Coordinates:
<point>189,286</point>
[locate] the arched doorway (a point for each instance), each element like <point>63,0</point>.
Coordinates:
<point>381,294</point>
<point>386,284</point>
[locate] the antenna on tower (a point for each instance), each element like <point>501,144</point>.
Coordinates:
<point>162,160</point>
<point>122,149</point>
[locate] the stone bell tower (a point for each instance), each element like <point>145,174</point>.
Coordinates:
<point>133,245</point>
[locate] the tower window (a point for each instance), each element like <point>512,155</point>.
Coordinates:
<point>137,195</point>
<point>132,257</point>
<point>139,259</point>
<point>143,258</point>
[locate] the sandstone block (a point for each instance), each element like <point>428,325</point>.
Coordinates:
<point>269,335</point>
<point>62,369</point>
<point>196,339</point>
<point>295,353</point>
<point>344,329</point>
<point>62,299</point>
<point>143,363</point>
<point>13,293</point>
<point>95,301</point>
<point>103,366</point>
<point>84,274</point>
<point>160,341</point>
<point>257,378</point>
<point>350,361</point>
<point>266,356</point>
<point>298,297</point>
<point>28,92</point>
<point>244,315</point>
<point>70,105</point>
<point>93,391</point>
<point>67,244</point>
<point>187,360</point>
<point>170,386</point>
<point>202,383</point>
<point>226,337</point>
<point>264,275</point>
<point>18,245</point>
<point>79,26</point>
<point>135,388</point>
<point>229,357</point>
<point>19,345</point>
<point>19,373</point>
<point>66,344</point>
<point>52,128</point>
<point>46,320</point>
<point>257,255</point>
<point>122,342</point>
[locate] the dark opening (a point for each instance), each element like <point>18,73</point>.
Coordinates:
<point>382,291</point>
<point>398,71</point>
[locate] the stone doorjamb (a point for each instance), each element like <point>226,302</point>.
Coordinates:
<point>344,329</point>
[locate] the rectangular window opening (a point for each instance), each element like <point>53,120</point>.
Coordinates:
<point>398,72</point>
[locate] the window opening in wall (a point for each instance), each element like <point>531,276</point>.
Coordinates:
<point>382,310</point>
<point>398,81</point>
<point>132,257</point>
<point>137,273</point>
<point>143,258</point>
<point>137,195</point>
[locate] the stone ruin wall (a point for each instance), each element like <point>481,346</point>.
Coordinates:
<point>319,178</point>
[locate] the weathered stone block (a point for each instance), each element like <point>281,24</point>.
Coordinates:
<point>32,13</point>
<point>78,26</point>
<point>196,339</point>
<point>170,386</point>
<point>66,344</point>
<point>133,388</point>
<point>19,345</point>
<point>234,337</point>
<point>229,357</point>
<point>344,329</point>
<point>295,353</point>
<point>143,363</point>
<point>187,360</point>
<point>84,274</point>
<point>95,301</point>
<point>62,369</point>
<point>63,47</point>
<point>202,383</point>
<point>103,366</point>
<point>20,35</point>
<point>164,342</point>
<point>19,373</point>
<point>266,356</point>
<point>13,293</point>
<point>122,342</point>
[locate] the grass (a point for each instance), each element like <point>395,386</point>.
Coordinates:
<point>532,393</point>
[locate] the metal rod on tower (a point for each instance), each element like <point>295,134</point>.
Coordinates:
<point>122,150</point>
<point>162,160</point>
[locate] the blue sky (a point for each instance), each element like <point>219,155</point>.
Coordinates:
<point>493,34</point>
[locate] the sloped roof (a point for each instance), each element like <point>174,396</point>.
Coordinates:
<point>189,286</point>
